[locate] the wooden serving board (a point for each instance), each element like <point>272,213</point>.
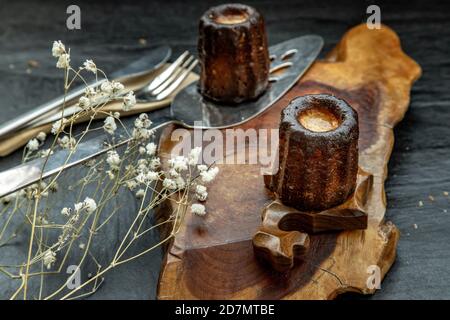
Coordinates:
<point>212,257</point>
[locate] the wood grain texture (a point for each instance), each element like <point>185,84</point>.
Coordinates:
<point>212,257</point>
<point>283,235</point>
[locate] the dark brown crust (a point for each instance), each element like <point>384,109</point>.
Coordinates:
<point>317,170</point>
<point>234,58</point>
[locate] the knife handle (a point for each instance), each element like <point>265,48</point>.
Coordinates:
<point>22,120</point>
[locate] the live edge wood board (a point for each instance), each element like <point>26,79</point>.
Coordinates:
<point>212,257</point>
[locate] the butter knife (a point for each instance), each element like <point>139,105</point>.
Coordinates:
<point>188,109</point>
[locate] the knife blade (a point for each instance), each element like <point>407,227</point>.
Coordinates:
<point>188,109</point>
<point>31,172</point>
<point>152,59</point>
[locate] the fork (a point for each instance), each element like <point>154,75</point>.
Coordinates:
<point>169,80</point>
<point>156,90</point>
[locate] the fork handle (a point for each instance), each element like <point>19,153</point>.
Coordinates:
<point>23,135</point>
<point>17,123</point>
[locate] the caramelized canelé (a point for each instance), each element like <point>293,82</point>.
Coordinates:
<point>318,153</point>
<point>233,54</point>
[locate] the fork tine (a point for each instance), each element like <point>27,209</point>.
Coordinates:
<point>177,82</point>
<point>173,77</point>
<point>168,72</point>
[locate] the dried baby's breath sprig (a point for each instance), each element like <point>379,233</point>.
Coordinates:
<point>54,229</point>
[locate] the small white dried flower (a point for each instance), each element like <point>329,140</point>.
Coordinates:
<point>82,246</point>
<point>194,156</point>
<point>67,143</point>
<point>174,173</point>
<point>198,209</point>
<point>169,184</point>
<point>142,150</point>
<point>59,125</point>
<point>142,164</point>
<point>90,92</point>
<point>66,211</point>
<point>181,184</point>
<point>41,136</point>
<point>141,178</point>
<point>131,184</point>
<point>142,134</point>
<point>155,163</point>
<point>45,153</point>
<point>33,144</point>
<point>106,87</point>
<point>49,258</point>
<point>89,65</point>
<point>110,125</point>
<point>202,167</point>
<point>63,61</point>
<point>142,122</point>
<point>117,87</point>
<point>201,193</point>
<point>113,159</point>
<point>116,115</point>
<point>78,206</point>
<point>179,163</point>
<point>90,205</point>
<point>151,148</point>
<point>84,102</point>
<point>58,48</point>
<point>210,175</point>
<point>7,199</point>
<point>129,101</point>
<point>111,175</point>
<point>140,193</point>
<point>152,176</point>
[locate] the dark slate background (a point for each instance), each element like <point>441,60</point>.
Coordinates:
<point>420,163</point>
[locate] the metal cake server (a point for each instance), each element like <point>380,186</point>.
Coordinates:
<point>189,109</point>
<point>152,59</point>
